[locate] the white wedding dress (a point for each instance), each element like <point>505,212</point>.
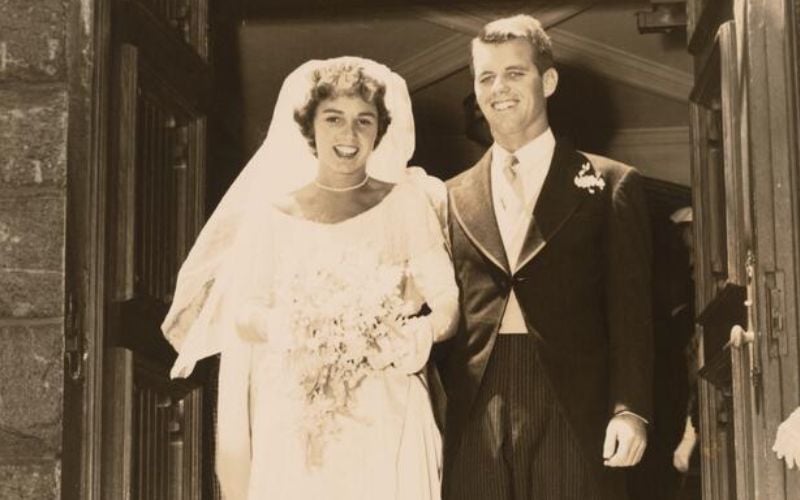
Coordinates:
<point>390,447</point>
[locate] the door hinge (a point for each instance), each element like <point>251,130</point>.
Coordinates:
<point>74,351</point>
<point>776,324</point>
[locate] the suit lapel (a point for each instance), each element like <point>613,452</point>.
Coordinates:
<point>558,200</point>
<point>473,209</point>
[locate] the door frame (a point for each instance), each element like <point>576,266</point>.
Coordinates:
<point>94,374</point>
<point>89,62</point>
<point>771,56</point>
<point>94,458</point>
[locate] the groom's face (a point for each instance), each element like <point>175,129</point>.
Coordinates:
<point>509,91</point>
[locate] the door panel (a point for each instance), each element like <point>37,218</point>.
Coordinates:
<point>719,301</point>
<point>730,371</point>
<point>154,427</point>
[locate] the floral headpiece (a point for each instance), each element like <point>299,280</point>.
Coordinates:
<point>347,76</point>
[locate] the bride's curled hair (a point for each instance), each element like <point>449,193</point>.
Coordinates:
<point>337,79</point>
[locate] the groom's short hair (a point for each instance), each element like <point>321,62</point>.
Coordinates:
<point>520,27</point>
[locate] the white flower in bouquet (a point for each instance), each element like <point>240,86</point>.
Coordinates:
<point>343,314</point>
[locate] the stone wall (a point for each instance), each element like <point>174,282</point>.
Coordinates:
<point>33,146</point>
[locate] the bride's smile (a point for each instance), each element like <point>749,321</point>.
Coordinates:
<point>345,130</point>
<point>346,151</point>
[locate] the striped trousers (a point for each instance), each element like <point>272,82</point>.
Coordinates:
<point>517,445</point>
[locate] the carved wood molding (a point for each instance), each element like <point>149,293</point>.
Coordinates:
<point>619,65</point>
<point>452,53</point>
<point>436,62</point>
<point>468,21</point>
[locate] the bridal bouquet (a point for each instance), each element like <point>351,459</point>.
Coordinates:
<point>344,314</point>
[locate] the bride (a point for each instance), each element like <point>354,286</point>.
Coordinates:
<point>323,280</point>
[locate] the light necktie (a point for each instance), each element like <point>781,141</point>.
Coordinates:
<point>510,170</point>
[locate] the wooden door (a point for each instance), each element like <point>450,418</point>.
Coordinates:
<point>744,124</point>
<point>153,427</point>
<point>724,254</point>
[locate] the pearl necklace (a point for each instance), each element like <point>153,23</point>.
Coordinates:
<point>342,189</point>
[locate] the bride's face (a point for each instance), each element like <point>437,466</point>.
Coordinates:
<point>345,128</point>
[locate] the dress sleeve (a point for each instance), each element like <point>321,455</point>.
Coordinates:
<point>202,320</point>
<point>429,260</point>
<point>436,193</point>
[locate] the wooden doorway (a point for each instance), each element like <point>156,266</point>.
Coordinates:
<point>746,185</point>
<point>155,134</point>
<point>744,125</point>
<point>153,427</point>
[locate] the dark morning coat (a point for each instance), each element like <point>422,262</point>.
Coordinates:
<point>583,285</point>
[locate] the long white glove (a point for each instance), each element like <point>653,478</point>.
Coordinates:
<point>787,440</point>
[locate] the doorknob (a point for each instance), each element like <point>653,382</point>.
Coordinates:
<point>740,336</point>
<point>746,337</point>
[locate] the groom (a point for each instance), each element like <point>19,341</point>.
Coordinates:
<point>548,379</point>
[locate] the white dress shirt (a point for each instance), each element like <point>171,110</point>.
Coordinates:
<point>514,215</point>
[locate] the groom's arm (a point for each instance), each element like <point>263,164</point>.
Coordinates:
<point>628,296</point>
<point>629,313</point>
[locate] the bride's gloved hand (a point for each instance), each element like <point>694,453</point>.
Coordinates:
<point>256,319</point>
<point>413,345</point>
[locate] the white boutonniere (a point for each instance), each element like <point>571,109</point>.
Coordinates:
<point>589,179</point>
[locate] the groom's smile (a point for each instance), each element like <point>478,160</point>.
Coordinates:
<point>504,104</point>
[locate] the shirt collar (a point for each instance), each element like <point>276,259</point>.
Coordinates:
<point>538,151</point>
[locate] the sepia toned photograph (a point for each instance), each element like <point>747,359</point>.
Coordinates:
<point>399,250</point>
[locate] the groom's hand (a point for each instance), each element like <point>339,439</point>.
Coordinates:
<point>626,439</point>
